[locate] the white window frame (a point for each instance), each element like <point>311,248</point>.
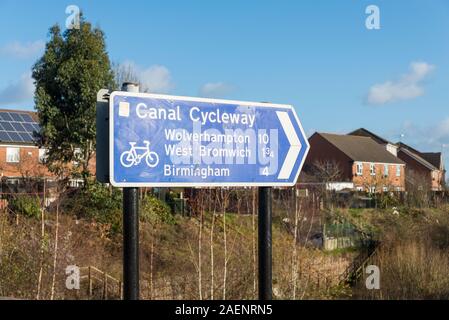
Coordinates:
<point>12,154</point>
<point>372,169</point>
<point>42,155</point>
<point>359,169</point>
<point>386,170</point>
<point>398,170</point>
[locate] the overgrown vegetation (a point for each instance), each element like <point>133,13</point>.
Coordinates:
<point>154,211</point>
<point>96,202</point>
<point>413,257</point>
<point>212,252</point>
<point>27,205</point>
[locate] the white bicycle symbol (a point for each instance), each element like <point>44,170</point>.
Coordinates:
<point>133,158</point>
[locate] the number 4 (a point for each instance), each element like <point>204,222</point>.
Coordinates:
<point>265,171</point>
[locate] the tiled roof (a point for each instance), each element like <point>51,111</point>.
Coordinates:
<point>433,158</point>
<point>362,132</point>
<point>361,149</point>
<point>430,160</point>
<point>419,159</point>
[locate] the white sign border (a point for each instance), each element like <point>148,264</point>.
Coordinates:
<point>197,184</point>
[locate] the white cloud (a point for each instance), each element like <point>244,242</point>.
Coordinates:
<point>409,86</point>
<point>154,79</point>
<point>19,91</point>
<point>17,49</point>
<point>215,90</point>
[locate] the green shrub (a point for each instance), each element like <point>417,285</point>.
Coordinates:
<point>97,202</point>
<point>29,206</point>
<point>153,210</point>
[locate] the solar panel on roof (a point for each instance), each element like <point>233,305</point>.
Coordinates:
<point>21,127</point>
<point>7,126</point>
<point>15,116</point>
<point>6,116</point>
<point>25,137</point>
<point>4,136</point>
<point>29,137</point>
<point>15,137</point>
<point>17,127</point>
<point>27,117</point>
<point>28,127</point>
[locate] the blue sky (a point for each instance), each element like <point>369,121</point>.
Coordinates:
<point>316,55</point>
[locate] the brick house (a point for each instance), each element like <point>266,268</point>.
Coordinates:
<point>20,156</point>
<point>361,161</point>
<point>423,169</point>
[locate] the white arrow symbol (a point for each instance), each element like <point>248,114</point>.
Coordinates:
<point>295,145</point>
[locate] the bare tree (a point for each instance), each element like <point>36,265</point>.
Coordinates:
<point>124,72</point>
<point>418,188</point>
<point>212,268</point>
<point>253,240</point>
<point>55,253</point>
<point>327,171</point>
<point>224,202</point>
<point>295,244</point>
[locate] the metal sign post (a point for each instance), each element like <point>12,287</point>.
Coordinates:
<point>130,233</point>
<point>265,242</point>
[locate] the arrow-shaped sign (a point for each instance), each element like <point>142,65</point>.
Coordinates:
<point>295,145</point>
<point>159,140</point>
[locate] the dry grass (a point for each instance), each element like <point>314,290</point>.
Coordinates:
<point>411,270</point>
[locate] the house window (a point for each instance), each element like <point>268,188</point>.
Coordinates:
<point>12,155</point>
<point>42,155</point>
<point>386,170</point>
<point>385,189</point>
<point>372,169</point>
<point>359,189</point>
<point>398,171</point>
<point>12,181</point>
<point>359,169</point>
<point>372,189</point>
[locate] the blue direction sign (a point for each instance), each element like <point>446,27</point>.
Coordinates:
<point>162,141</point>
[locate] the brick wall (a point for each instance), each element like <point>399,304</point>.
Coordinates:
<point>323,151</point>
<point>379,180</point>
<point>28,166</point>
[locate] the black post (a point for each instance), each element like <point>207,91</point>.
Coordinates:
<point>130,232</point>
<point>265,250</point>
<point>130,243</point>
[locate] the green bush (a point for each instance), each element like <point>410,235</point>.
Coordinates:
<point>97,202</point>
<point>153,210</point>
<point>29,206</point>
